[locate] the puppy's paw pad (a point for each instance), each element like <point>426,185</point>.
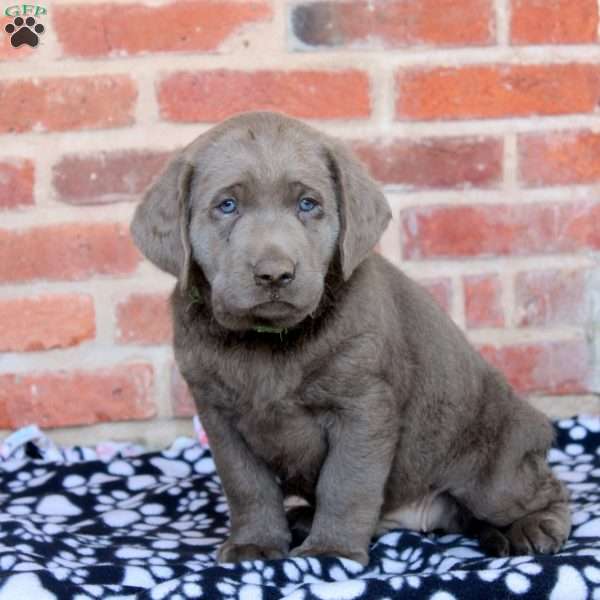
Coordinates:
<point>231,552</point>
<point>537,534</point>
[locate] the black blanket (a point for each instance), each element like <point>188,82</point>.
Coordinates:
<point>148,527</point>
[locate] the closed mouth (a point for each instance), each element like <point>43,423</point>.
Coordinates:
<point>272,309</point>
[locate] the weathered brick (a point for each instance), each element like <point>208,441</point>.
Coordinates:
<point>134,28</point>
<point>67,398</point>
<point>394,23</point>
<point>491,230</point>
<point>46,322</point>
<point>215,95</point>
<point>144,319</point>
<point>16,183</point>
<point>550,297</point>
<point>544,367</point>
<point>63,103</point>
<point>559,158</point>
<point>440,289</point>
<point>483,301</point>
<point>434,162</point>
<point>181,397</point>
<point>106,177</point>
<point>66,252</point>
<point>554,21</point>
<point>496,91</point>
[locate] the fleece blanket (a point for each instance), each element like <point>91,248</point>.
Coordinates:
<point>147,527</point>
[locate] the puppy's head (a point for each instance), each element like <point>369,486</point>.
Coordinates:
<point>261,203</point>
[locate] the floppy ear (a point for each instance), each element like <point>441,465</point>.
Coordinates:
<point>364,211</point>
<point>160,226</point>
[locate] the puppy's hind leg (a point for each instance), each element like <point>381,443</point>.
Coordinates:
<point>442,512</point>
<point>506,524</point>
<point>517,493</point>
<point>492,540</point>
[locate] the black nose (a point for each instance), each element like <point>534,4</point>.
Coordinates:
<point>273,272</point>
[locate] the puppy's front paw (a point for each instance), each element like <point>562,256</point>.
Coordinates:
<point>309,548</point>
<point>232,552</point>
<point>539,533</point>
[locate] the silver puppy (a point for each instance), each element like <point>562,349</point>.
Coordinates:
<point>320,370</point>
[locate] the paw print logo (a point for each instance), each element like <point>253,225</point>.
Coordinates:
<point>24,32</point>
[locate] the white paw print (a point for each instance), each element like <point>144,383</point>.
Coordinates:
<point>230,589</point>
<point>29,531</point>
<point>410,560</point>
<point>193,501</point>
<point>66,565</point>
<point>25,480</point>
<point>117,499</point>
<point>175,487</point>
<point>78,485</point>
<point>155,561</point>
<point>190,586</point>
<point>200,561</point>
<point>515,571</point>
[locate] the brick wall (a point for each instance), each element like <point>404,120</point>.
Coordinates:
<point>479,116</point>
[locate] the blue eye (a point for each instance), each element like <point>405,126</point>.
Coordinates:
<point>228,206</point>
<point>306,204</point>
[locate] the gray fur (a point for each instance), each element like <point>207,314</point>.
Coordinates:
<point>348,385</point>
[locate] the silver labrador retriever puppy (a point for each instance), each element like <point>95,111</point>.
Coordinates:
<point>320,370</point>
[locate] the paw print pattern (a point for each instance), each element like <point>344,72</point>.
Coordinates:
<point>193,502</point>
<point>28,479</point>
<point>516,572</point>
<point>24,32</point>
<point>149,527</point>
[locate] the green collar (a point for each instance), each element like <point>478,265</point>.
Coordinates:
<point>266,329</point>
<point>195,297</point>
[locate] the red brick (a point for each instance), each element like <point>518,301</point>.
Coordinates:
<point>215,95</point>
<point>554,21</point>
<point>492,230</point>
<point>144,319</point>
<point>551,297</point>
<point>63,103</point>
<point>67,398</point>
<point>128,29</point>
<point>106,177</point>
<point>550,367</point>
<point>394,23</point>
<point>435,162</point>
<point>497,91</point>
<point>483,301</point>
<point>66,252</point>
<point>16,183</point>
<point>559,158</point>
<point>441,290</point>
<point>183,403</point>
<point>46,322</point>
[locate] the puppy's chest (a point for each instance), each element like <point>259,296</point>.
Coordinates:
<point>280,421</point>
<point>279,408</point>
<point>292,441</point>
